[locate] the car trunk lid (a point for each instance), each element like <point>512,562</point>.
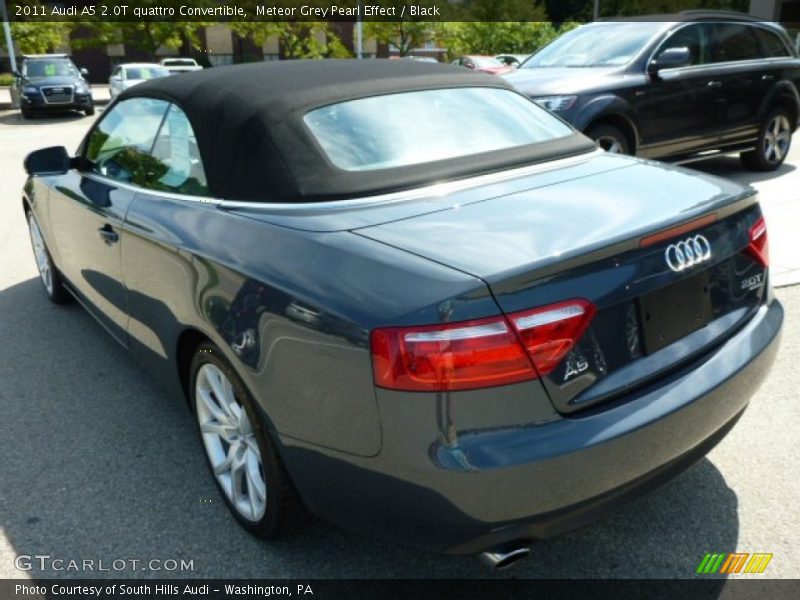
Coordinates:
<point>604,238</point>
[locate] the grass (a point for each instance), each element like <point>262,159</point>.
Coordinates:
<point>6,79</point>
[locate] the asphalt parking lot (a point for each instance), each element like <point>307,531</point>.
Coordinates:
<point>98,465</point>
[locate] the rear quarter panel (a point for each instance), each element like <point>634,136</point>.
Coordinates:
<point>291,310</point>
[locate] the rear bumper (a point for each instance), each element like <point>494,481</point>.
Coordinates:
<point>473,490</point>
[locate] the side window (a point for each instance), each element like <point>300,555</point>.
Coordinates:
<point>771,44</point>
<point>119,147</point>
<point>177,166</point>
<point>694,37</point>
<point>735,42</point>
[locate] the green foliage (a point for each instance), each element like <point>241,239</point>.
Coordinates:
<point>37,37</point>
<point>145,34</point>
<point>313,39</point>
<point>6,79</point>
<point>403,35</point>
<point>477,37</point>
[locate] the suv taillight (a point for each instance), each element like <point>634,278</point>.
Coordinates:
<point>482,353</point>
<point>759,245</point>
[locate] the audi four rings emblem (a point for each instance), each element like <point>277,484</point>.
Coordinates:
<point>687,253</point>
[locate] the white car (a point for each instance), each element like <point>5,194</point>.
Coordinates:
<point>180,65</point>
<point>128,74</point>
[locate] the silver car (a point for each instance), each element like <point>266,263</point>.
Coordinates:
<point>129,74</point>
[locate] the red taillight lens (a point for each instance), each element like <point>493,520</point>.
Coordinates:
<point>458,356</point>
<point>759,246</point>
<point>476,354</point>
<point>549,333</point>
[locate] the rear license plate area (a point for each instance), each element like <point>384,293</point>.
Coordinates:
<point>674,311</point>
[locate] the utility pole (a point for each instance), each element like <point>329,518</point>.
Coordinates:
<point>7,29</point>
<point>596,10</point>
<point>359,34</point>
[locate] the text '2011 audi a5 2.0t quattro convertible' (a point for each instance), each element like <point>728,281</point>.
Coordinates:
<point>460,335</point>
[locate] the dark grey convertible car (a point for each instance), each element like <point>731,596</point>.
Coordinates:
<point>463,334</point>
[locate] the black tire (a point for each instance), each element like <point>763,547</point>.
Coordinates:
<point>760,158</point>
<point>284,511</point>
<point>609,138</point>
<point>89,111</point>
<point>56,292</point>
<point>27,113</point>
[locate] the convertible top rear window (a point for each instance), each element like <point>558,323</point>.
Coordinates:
<point>397,130</point>
<point>321,130</point>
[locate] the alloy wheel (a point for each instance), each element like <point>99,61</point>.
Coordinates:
<point>777,138</point>
<point>230,443</point>
<point>609,144</point>
<point>42,257</point>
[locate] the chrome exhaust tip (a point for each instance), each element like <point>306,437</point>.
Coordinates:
<point>504,556</point>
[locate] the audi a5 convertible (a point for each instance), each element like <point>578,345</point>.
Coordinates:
<point>462,335</point>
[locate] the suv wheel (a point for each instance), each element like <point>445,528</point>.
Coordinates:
<point>27,113</point>
<point>609,138</point>
<point>242,458</point>
<point>773,144</point>
<point>89,111</point>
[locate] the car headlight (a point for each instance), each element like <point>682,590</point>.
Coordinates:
<point>29,89</point>
<point>82,88</point>
<point>556,103</point>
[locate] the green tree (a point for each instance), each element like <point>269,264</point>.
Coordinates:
<point>402,35</point>
<point>479,37</point>
<point>298,39</point>
<point>36,36</point>
<point>146,34</point>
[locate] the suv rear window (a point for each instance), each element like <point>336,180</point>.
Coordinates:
<point>735,42</point>
<point>397,130</point>
<point>771,43</point>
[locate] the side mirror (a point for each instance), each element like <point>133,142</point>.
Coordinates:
<point>84,72</point>
<point>670,58</point>
<point>48,161</point>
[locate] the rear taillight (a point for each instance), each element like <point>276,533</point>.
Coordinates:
<point>476,354</point>
<point>759,246</point>
<point>549,333</point>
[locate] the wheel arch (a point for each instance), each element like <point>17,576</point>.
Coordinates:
<point>784,95</point>
<point>187,343</point>
<point>789,103</point>
<point>622,123</point>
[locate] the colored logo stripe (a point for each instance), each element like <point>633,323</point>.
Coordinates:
<point>734,563</point>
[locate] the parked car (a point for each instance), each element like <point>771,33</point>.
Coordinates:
<point>681,88</point>
<point>180,65</point>
<point>482,64</point>
<point>512,60</point>
<point>125,75</point>
<point>428,59</point>
<point>48,83</point>
<point>463,339</point>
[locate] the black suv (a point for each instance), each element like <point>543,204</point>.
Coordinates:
<point>696,85</point>
<point>50,82</point>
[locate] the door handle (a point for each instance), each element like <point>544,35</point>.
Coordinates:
<point>108,234</point>
<point>715,84</point>
<point>767,77</point>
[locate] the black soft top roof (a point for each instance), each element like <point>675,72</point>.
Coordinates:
<point>254,144</point>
